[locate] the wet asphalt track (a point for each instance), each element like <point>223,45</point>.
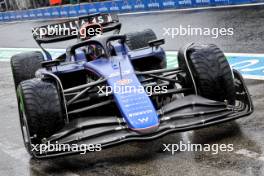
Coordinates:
<point>147,158</point>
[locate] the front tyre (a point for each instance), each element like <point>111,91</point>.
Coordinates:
<point>40,110</point>
<point>211,71</point>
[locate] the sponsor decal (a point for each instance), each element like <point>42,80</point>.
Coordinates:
<point>143,120</point>
<point>47,14</point>
<point>115,74</point>
<point>139,5</point>
<point>25,15</point>
<point>39,14</point>
<point>114,6</point>
<point>123,82</point>
<point>221,1</point>
<point>32,14</point>
<point>73,12</point>
<point>55,12</point>
<point>135,114</point>
<point>6,17</point>
<point>202,1</point>
<point>102,8</point>
<point>153,4</point>
<point>92,9</point>
<point>185,2</point>
<point>12,16</point>
<point>126,6</point>
<point>82,10</point>
<point>168,3</point>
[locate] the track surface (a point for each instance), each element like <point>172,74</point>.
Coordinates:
<point>147,158</point>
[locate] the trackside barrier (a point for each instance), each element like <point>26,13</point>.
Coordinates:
<point>117,6</point>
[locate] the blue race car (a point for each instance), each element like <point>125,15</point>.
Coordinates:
<point>111,89</point>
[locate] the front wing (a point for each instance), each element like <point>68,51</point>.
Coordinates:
<point>189,113</point>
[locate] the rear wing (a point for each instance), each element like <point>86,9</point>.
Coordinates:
<point>71,29</point>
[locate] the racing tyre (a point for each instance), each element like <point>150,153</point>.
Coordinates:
<point>40,110</point>
<point>137,40</point>
<point>211,71</point>
<point>25,65</point>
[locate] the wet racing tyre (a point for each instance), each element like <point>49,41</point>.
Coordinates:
<point>24,65</point>
<point>140,40</point>
<point>137,40</point>
<point>211,71</point>
<point>40,110</point>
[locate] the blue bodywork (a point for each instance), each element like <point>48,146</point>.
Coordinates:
<point>132,101</point>
<point>135,106</point>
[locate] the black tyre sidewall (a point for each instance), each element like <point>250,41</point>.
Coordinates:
<point>138,40</point>
<point>43,108</point>
<point>212,72</point>
<point>25,65</point>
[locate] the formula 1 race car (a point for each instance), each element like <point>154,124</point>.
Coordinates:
<point>111,89</point>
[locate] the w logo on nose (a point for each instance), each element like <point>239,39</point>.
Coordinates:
<point>144,120</point>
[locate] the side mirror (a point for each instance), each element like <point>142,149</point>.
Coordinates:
<point>156,43</point>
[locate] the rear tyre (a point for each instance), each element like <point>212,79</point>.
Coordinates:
<point>40,110</point>
<point>212,73</point>
<point>25,65</point>
<point>138,40</point>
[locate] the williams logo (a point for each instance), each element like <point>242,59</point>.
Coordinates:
<point>143,120</point>
<point>73,12</point>
<point>126,6</point>
<point>102,8</point>
<point>139,5</point>
<point>64,12</point>
<point>82,10</point>
<point>55,13</point>
<point>185,2</point>
<point>153,4</point>
<point>168,3</point>
<point>114,6</point>
<point>39,14</point>
<point>92,9</point>
<point>202,1</point>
